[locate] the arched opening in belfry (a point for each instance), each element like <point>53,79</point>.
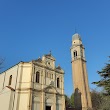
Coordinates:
<point>75,54</point>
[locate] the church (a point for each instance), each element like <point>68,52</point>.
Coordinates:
<point>39,84</point>
<point>34,85</point>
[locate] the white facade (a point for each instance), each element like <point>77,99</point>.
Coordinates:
<point>35,85</point>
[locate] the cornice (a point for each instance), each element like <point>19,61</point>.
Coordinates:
<point>44,66</point>
<point>79,59</point>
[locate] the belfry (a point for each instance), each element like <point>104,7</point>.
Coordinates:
<point>79,74</point>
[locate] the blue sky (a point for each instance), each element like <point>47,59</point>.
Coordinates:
<point>29,29</point>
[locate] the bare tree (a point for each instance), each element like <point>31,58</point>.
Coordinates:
<point>96,99</point>
<point>100,101</point>
<point>105,105</point>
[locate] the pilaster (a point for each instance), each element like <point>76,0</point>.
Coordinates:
<point>43,101</point>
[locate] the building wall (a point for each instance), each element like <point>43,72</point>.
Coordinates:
<point>5,76</point>
<point>48,97</point>
<point>2,76</point>
<point>21,83</point>
<point>23,89</point>
<point>28,94</point>
<point>5,99</point>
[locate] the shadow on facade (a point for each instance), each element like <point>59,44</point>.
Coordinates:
<point>77,99</point>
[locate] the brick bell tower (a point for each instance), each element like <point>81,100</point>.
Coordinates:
<point>80,79</point>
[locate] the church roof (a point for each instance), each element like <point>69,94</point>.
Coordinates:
<point>76,37</point>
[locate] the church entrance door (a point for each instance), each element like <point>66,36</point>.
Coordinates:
<point>48,107</point>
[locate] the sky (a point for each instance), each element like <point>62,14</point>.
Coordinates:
<point>30,29</point>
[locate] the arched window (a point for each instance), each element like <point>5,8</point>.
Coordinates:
<point>58,83</point>
<point>10,80</point>
<point>75,54</point>
<point>37,77</point>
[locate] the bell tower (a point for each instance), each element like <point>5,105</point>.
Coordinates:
<point>80,79</point>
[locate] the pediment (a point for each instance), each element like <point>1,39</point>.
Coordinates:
<point>50,89</point>
<point>49,56</point>
<point>59,69</point>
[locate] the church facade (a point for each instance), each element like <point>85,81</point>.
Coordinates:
<point>35,85</point>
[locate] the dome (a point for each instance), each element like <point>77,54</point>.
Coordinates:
<point>76,37</point>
